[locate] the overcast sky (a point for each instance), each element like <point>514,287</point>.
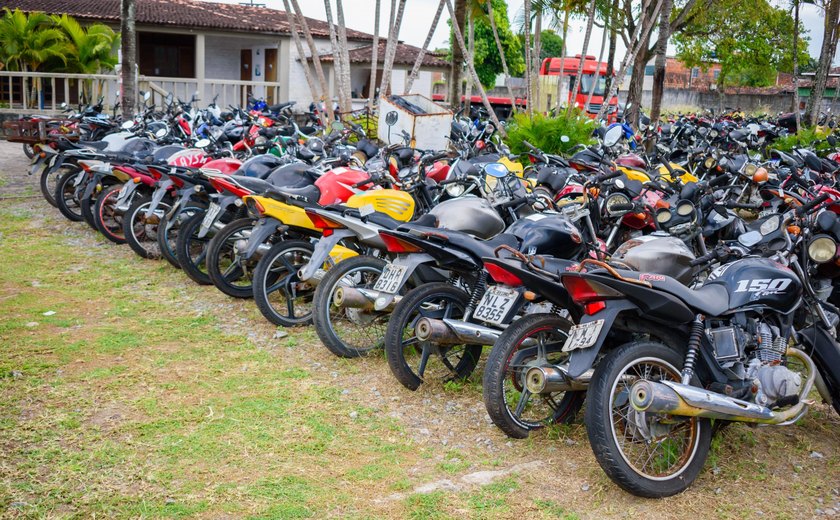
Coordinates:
<point>359,14</point>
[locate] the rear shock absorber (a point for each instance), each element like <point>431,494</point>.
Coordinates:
<point>694,339</point>
<point>476,293</point>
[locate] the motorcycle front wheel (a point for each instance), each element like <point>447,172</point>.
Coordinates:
<point>278,292</point>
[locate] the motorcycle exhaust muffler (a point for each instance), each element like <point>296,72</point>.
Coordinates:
<point>672,398</point>
<point>241,246</point>
<point>454,332</point>
<point>551,378</point>
<point>365,299</point>
<point>317,276</point>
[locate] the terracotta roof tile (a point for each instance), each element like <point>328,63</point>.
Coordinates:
<point>405,55</point>
<point>182,13</point>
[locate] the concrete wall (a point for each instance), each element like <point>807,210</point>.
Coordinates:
<point>683,99</point>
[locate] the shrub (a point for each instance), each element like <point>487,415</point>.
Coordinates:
<point>546,132</point>
<point>805,138</point>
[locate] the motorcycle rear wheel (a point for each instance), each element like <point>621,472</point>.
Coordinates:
<point>278,292</point>
<point>643,455</point>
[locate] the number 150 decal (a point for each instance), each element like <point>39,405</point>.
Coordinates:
<point>763,284</point>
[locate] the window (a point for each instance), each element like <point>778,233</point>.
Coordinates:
<point>649,70</point>
<point>695,72</point>
<point>716,74</point>
<point>169,55</point>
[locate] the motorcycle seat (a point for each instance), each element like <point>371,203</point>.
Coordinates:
<point>96,145</point>
<point>466,242</point>
<point>710,299</point>
<point>309,193</point>
<point>280,106</point>
<point>253,184</point>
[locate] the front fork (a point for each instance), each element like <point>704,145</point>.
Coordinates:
<point>265,228</point>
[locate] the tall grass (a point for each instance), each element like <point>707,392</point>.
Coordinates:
<point>546,133</point>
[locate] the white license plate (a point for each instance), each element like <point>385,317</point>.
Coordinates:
<point>495,305</point>
<point>391,279</point>
<point>210,216</point>
<point>583,336</point>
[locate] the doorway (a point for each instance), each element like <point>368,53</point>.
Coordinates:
<point>270,68</point>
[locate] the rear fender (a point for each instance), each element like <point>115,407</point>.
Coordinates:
<point>265,227</point>
<point>581,360</point>
<point>323,246</point>
<point>412,262</point>
<point>444,254</point>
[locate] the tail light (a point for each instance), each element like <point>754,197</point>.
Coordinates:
<point>398,245</point>
<point>254,206</point>
<point>324,224</point>
<point>502,275</point>
<point>585,291</point>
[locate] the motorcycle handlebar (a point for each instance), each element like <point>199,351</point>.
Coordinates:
<point>623,207</point>
<point>798,180</point>
<point>805,208</point>
<point>703,259</point>
<point>719,180</point>
<point>515,202</point>
<point>606,176</point>
<point>738,205</point>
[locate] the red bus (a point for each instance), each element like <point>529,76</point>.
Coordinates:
<point>594,71</point>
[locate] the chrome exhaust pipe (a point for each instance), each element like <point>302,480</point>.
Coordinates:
<point>365,299</point>
<point>317,276</point>
<point>455,332</point>
<point>241,246</point>
<point>551,378</point>
<point>672,398</point>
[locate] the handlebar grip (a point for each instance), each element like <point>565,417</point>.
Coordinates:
<point>623,207</point>
<point>529,145</point>
<point>805,208</point>
<point>705,259</point>
<point>363,183</point>
<point>798,180</point>
<point>515,202</point>
<point>607,176</point>
<point>738,205</point>
<point>435,157</point>
<point>719,180</point>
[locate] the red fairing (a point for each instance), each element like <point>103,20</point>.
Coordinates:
<point>630,160</point>
<point>222,186</point>
<point>438,172</point>
<point>336,185</point>
<point>184,126</point>
<point>226,165</point>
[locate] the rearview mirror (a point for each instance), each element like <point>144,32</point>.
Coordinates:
<point>613,136</point>
<point>161,132</point>
<point>750,239</point>
<point>202,143</point>
<point>337,126</point>
<point>391,118</point>
<point>127,125</point>
<point>497,170</point>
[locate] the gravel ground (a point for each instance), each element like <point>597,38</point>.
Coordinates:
<point>785,473</point>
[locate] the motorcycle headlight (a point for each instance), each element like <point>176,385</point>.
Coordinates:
<point>770,225</point>
<point>822,249</point>
<point>749,169</point>
<point>663,216</point>
<point>617,198</point>
<point>710,162</point>
<point>685,209</point>
<point>455,190</point>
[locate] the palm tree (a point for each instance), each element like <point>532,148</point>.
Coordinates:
<point>415,70</point>
<point>316,59</point>
<point>345,55</point>
<point>94,48</point>
<point>128,10</point>
<point>501,50</point>
<point>28,41</point>
<point>338,64</point>
<point>310,81</point>
<point>391,48</point>
<point>459,18</point>
<point>374,60</point>
<point>590,14</point>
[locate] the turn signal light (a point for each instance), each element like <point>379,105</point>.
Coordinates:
<point>398,245</point>
<point>585,291</point>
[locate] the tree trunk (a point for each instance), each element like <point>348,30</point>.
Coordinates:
<point>391,49</point>
<point>597,78</point>
<point>345,56</point>
<point>471,58</point>
<point>535,56</point>
<point>128,10</point>
<point>307,72</point>
<point>829,45</point>
<point>590,14</point>
<point>501,53</point>
<point>529,93</point>
<point>415,70</point>
<point>338,64</point>
<point>634,92</point>
<point>471,69</point>
<point>455,72</point>
<point>374,60</point>
<point>640,35</point>
<point>611,53</point>
<point>659,66</point>
<point>316,60</point>
<point>560,92</point>
<point>796,113</point>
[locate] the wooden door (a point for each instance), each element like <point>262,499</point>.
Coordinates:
<point>245,65</point>
<point>270,68</point>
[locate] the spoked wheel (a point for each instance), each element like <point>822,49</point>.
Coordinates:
<point>108,221</point>
<point>141,232</point>
<point>168,233</point>
<point>87,205</point>
<point>413,361</point>
<point>48,181</point>
<point>530,343</point>
<point>349,331</point>
<point>647,454</point>
<point>278,292</point>
<point>29,150</point>
<point>228,271</point>
<point>191,250</point>
<point>65,197</point>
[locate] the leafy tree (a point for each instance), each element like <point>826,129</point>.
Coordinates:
<point>750,39</point>
<point>551,44</point>
<point>94,48</point>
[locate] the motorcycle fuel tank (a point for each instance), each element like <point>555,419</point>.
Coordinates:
<point>471,215</point>
<point>657,253</point>
<point>758,282</point>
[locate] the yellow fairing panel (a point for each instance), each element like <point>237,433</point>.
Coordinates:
<point>292,216</point>
<point>398,205</point>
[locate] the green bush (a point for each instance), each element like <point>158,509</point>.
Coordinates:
<point>546,132</point>
<point>805,138</point>
<point>368,121</point>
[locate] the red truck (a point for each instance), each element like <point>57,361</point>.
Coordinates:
<point>593,71</point>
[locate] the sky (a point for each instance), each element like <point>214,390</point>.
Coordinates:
<point>359,14</point>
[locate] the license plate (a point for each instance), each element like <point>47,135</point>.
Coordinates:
<point>210,216</point>
<point>583,336</point>
<point>391,279</point>
<point>495,305</point>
